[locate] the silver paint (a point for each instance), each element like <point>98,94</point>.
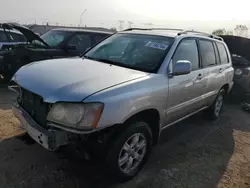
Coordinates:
<point>125,92</point>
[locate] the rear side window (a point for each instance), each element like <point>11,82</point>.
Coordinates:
<point>207,53</point>
<point>187,50</point>
<point>3,37</point>
<point>223,53</point>
<point>16,37</point>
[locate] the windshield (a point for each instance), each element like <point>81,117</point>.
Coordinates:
<point>55,38</point>
<point>140,52</point>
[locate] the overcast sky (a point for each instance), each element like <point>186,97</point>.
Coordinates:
<point>197,14</point>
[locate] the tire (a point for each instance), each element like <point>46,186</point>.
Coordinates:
<point>214,111</point>
<point>119,152</point>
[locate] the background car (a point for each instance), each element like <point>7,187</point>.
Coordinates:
<point>56,43</point>
<point>9,38</point>
<point>239,48</point>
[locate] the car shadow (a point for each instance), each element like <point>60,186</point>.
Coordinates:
<point>193,153</point>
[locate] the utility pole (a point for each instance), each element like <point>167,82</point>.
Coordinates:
<point>121,24</point>
<point>130,24</point>
<point>81,16</point>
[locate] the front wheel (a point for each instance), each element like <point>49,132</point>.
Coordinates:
<point>130,151</point>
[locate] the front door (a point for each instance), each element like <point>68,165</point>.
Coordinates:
<point>185,91</point>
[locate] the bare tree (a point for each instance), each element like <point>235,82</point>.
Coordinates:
<point>113,29</point>
<point>241,30</point>
<point>219,32</point>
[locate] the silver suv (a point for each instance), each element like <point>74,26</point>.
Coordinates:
<point>118,98</point>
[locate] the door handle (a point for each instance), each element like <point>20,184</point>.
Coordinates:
<point>220,70</point>
<point>200,76</point>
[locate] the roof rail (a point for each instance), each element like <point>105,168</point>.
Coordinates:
<point>200,33</point>
<point>136,28</point>
<point>168,29</point>
<point>157,28</point>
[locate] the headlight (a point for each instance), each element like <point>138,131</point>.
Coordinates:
<point>238,72</point>
<point>76,115</point>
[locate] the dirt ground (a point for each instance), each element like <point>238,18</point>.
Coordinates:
<point>194,153</point>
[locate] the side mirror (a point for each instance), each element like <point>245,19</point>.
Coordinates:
<point>182,67</point>
<point>67,48</point>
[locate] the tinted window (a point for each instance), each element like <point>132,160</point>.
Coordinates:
<point>3,37</point>
<point>187,50</point>
<point>81,41</point>
<point>22,38</point>
<point>223,53</point>
<point>140,52</point>
<point>15,37</point>
<point>99,37</point>
<point>207,53</point>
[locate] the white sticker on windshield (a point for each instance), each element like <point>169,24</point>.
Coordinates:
<point>156,45</point>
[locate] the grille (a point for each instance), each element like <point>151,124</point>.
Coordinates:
<point>33,104</point>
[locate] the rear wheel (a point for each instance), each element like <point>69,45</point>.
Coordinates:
<point>130,151</point>
<point>214,111</point>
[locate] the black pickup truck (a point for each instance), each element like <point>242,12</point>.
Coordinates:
<point>56,43</point>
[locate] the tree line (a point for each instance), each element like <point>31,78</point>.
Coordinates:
<point>239,30</point>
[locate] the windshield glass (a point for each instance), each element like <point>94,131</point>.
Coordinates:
<point>136,51</point>
<point>55,38</point>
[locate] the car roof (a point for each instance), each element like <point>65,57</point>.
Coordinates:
<point>169,32</point>
<point>81,30</point>
<point>153,32</point>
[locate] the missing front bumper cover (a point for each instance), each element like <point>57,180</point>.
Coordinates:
<point>49,139</point>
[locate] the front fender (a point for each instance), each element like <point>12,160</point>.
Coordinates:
<point>123,101</point>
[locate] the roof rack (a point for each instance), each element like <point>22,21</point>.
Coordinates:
<point>135,28</point>
<point>157,28</point>
<point>181,31</point>
<point>200,33</point>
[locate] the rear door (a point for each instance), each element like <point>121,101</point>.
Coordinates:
<point>210,63</point>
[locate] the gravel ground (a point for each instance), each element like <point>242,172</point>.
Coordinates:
<point>194,153</point>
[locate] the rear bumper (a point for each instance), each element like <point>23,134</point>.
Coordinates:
<point>49,139</point>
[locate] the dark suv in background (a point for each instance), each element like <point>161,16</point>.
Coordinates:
<point>56,43</point>
<point>8,38</point>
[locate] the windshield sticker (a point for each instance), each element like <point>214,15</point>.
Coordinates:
<point>156,45</point>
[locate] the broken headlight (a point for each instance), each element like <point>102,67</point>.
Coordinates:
<point>76,115</point>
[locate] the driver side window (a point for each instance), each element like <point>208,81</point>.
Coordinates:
<point>187,50</point>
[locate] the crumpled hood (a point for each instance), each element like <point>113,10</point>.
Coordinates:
<point>71,79</point>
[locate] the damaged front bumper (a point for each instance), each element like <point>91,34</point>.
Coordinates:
<point>50,139</point>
